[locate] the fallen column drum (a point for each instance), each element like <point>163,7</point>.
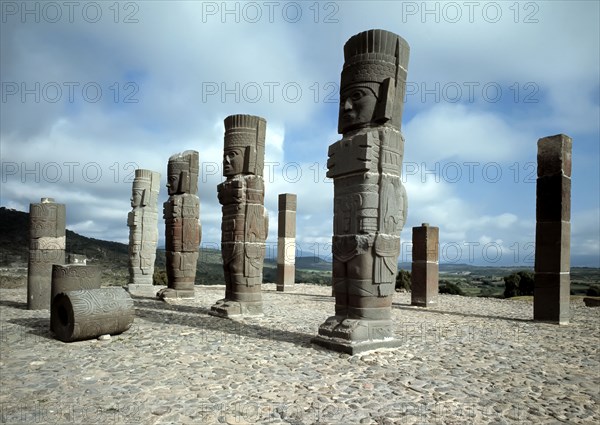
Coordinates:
<point>86,314</point>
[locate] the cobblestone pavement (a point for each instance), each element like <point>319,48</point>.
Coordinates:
<point>467,360</point>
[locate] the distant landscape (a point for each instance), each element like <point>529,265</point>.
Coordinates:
<point>113,257</point>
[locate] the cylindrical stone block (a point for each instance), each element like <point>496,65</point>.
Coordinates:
<point>425,265</point>
<point>46,247</point>
<point>87,314</point>
<point>39,276</point>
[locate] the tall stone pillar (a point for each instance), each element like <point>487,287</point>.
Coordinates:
<point>245,220</point>
<point>425,265</point>
<point>286,241</point>
<point>182,226</point>
<point>370,205</point>
<point>46,247</point>
<point>551,294</point>
<point>143,230</point>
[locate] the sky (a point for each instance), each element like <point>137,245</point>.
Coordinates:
<point>93,90</point>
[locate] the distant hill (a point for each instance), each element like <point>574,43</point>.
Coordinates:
<point>466,269</point>
<point>13,237</point>
<point>14,252</point>
<point>114,256</point>
<point>111,256</point>
<point>306,263</point>
<point>14,234</point>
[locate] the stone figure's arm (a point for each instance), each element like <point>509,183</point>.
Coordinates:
<point>266,214</point>
<point>404,206</point>
<point>220,192</point>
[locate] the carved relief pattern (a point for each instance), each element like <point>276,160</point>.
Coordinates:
<point>46,247</point>
<point>86,314</point>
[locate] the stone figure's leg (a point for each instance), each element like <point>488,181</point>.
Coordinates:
<point>181,275</point>
<point>340,289</point>
<point>369,313</point>
<point>228,284</point>
<point>365,300</point>
<point>236,271</point>
<point>340,293</point>
<point>240,297</point>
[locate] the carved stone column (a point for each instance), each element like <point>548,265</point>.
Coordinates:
<point>46,247</point>
<point>369,200</point>
<point>182,227</point>
<point>425,265</point>
<point>551,294</point>
<point>143,230</point>
<point>286,241</point>
<point>245,220</point>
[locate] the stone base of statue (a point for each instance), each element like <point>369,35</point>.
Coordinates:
<point>175,293</point>
<point>354,336</point>
<point>142,289</point>
<point>230,309</point>
<point>141,280</point>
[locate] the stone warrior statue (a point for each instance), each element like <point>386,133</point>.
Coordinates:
<point>245,220</point>
<point>182,227</point>
<point>143,229</point>
<point>370,203</point>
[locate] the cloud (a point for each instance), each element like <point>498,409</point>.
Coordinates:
<point>467,234</point>
<point>585,233</point>
<point>464,133</point>
<point>168,80</point>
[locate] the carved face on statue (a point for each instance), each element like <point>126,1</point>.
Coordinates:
<point>136,197</point>
<point>233,162</point>
<point>357,107</point>
<point>173,181</point>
